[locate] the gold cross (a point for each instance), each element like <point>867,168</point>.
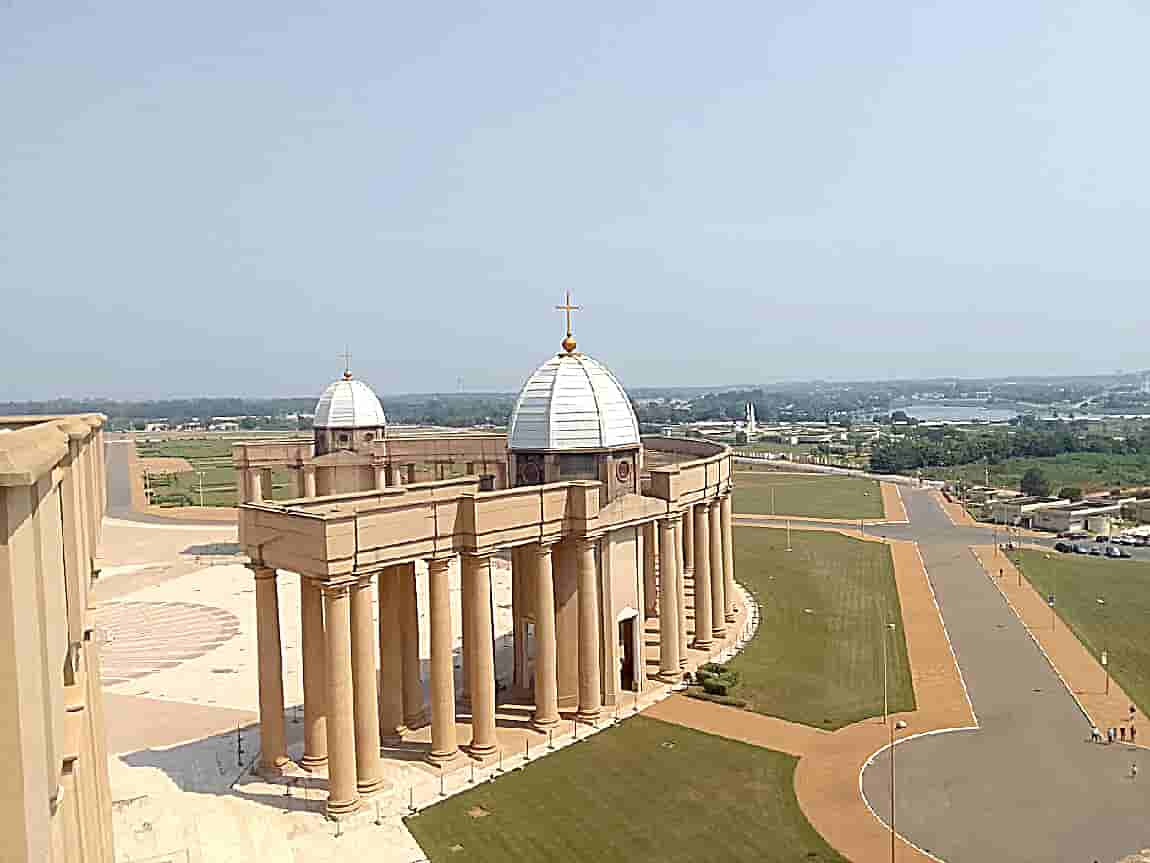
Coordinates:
<point>346,357</point>
<point>568,308</point>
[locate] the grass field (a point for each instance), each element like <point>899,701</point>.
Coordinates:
<point>807,495</point>
<point>821,667</point>
<point>1121,626</point>
<point>644,790</point>
<point>213,456</point>
<point>1086,470</point>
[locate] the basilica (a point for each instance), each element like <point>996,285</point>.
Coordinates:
<point>618,547</point>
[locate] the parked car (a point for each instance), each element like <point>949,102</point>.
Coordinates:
<point>1117,553</point>
<point>1096,552</point>
<point>1074,534</point>
<point>1063,547</point>
<point>1079,548</point>
<point>1102,539</point>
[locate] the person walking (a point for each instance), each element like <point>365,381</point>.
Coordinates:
<point>1131,735</point>
<point>1109,736</point>
<point>1134,770</point>
<point>1095,734</point>
<point>1122,733</point>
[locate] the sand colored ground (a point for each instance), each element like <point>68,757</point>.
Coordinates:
<point>827,777</point>
<point>892,505</point>
<point>1080,671</point>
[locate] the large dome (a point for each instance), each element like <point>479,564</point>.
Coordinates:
<point>349,404</point>
<point>572,402</point>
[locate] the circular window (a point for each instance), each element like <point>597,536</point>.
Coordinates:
<point>623,471</point>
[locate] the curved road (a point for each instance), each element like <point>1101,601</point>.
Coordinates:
<point>1027,785</point>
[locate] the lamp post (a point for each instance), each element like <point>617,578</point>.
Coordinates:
<point>885,664</point>
<point>898,726</point>
<point>1105,653</point>
<point>201,473</point>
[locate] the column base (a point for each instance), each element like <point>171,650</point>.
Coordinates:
<point>371,786</point>
<point>701,645</point>
<point>280,767</point>
<point>442,759</point>
<point>587,717</point>
<point>668,676</point>
<point>417,720</point>
<point>483,752</point>
<point>311,763</point>
<point>682,661</point>
<point>731,617</point>
<point>545,724</point>
<point>339,808</point>
<point>719,632</point>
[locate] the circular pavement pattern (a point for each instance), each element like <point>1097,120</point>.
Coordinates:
<point>141,638</point>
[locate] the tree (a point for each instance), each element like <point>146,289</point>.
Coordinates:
<point>1035,483</point>
<point>1071,493</point>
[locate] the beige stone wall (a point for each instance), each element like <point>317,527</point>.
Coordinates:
<point>55,802</point>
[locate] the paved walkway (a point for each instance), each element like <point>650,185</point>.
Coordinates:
<point>1080,671</point>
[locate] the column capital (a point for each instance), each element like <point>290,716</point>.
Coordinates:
<point>714,502</point>
<point>669,518</point>
<point>360,582</point>
<point>587,539</point>
<point>333,589</point>
<point>476,555</point>
<point>259,570</point>
<point>544,546</point>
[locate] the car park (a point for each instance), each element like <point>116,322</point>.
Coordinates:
<point>1079,548</point>
<point>1117,553</point>
<point>1096,552</point>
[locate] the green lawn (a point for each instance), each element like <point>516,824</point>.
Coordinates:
<point>808,495</point>
<point>644,790</point>
<point>822,667</point>
<point>213,456</point>
<point>1121,626</point>
<point>1086,470</point>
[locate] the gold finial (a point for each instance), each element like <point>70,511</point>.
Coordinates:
<point>346,357</point>
<point>568,343</point>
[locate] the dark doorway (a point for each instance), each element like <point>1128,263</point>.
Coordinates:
<point>627,654</point>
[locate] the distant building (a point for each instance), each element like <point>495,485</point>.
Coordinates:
<point>750,427</point>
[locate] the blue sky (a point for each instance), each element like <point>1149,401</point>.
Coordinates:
<point>214,198</point>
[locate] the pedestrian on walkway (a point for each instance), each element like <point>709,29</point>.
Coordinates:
<point>1131,735</point>
<point>1095,734</point>
<point>1122,733</point>
<point>1134,770</point>
<point>1109,736</point>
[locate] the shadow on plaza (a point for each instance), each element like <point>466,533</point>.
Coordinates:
<point>213,549</point>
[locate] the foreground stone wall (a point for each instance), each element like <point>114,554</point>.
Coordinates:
<point>55,801</point>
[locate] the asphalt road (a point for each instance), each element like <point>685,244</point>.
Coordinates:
<point>1027,785</point>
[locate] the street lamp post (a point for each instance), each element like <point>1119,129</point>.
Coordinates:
<point>898,726</point>
<point>201,473</point>
<point>885,665</point>
<point>1105,653</point>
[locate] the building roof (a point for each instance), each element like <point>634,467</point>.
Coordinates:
<point>572,402</point>
<point>348,404</point>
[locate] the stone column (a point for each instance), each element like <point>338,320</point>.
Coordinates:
<point>651,604</point>
<point>380,476</point>
<point>390,657</point>
<point>255,485</point>
<point>702,578</point>
<point>414,714</point>
<point>410,474</point>
<point>728,558</point>
<point>501,475</point>
<point>394,478</point>
<point>314,683</point>
<point>681,594</point>
<point>590,684</point>
<point>477,589</point>
<point>718,591</point>
<point>443,745</point>
<point>308,481</point>
<point>267,484</point>
<point>668,603</point>
<point>688,540</point>
<point>546,668</point>
<point>273,748</point>
<point>365,686</point>
<point>342,796</point>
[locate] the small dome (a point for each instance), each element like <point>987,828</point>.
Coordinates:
<point>572,402</point>
<point>349,404</point>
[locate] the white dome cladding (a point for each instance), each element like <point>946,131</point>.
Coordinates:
<point>572,402</point>
<point>349,404</point>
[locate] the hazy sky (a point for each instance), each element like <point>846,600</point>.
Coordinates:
<point>213,198</point>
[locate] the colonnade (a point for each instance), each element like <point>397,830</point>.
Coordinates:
<point>351,710</point>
